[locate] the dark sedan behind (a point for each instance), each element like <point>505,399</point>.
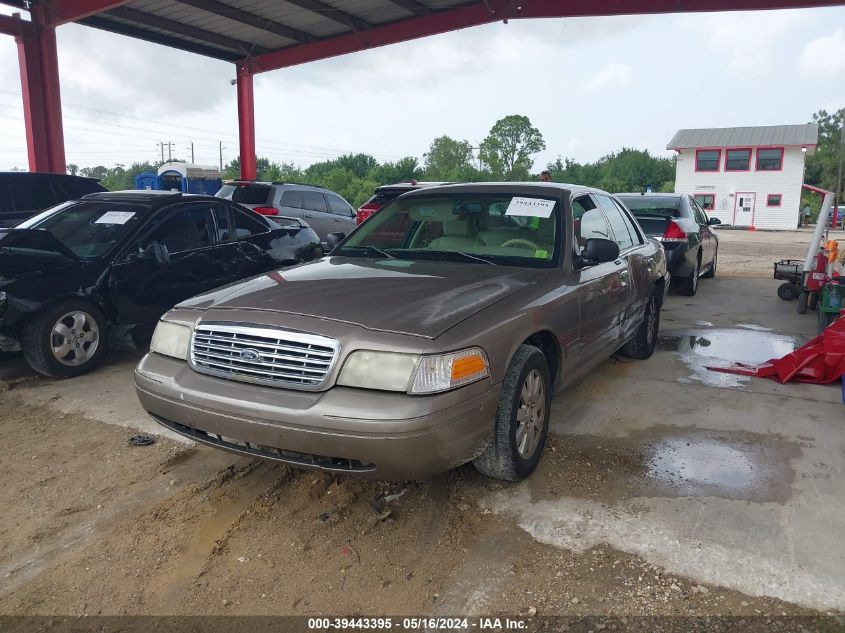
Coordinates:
<point>679,222</point>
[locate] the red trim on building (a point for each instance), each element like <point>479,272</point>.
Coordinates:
<point>718,159</point>
<point>750,151</point>
<point>757,162</point>
<point>753,210</point>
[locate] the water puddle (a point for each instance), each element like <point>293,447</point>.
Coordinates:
<point>722,347</point>
<point>668,461</point>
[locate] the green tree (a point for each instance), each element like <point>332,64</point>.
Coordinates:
<point>509,148</point>
<point>625,170</point>
<point>449,159</point>
<point>72,169</point>
<point>822,167</point>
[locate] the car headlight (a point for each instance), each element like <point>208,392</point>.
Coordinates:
<point>387,371</point>
<point>448,371</point>
<point>171,339</point>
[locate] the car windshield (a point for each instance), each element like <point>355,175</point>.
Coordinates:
<point>653,205</point>
<point>89,229</point>
<point>478,229</point>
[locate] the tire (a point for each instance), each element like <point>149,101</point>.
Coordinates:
<point>711,272</point>
<point>802,302</point>
<point>53,354</point>
<point>788,291</point>
<point>688,286</point>
<point>503,459</point>
<point>645,340</point>
<point>825,319</point>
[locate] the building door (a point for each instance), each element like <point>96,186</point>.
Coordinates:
<point>744,209</point>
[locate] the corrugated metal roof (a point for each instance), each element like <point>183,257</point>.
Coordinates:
<point>803,134</point>
<point>235,29</point>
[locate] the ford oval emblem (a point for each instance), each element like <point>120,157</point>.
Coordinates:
<point>250,354</point>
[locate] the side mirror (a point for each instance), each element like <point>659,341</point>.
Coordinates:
<point>158,252</point>
<point>714,221</point>
<point>333,239</point>
<point>600,250</point>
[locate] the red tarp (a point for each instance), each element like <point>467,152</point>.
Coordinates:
<point>820,361</point>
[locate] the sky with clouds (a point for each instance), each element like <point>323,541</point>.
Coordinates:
<point>591,85</point>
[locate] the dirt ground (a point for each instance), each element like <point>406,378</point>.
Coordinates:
<point>95,526</point>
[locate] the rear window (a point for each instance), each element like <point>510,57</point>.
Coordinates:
<point>248,194</point>
<point>383,196</point>
<point>653,205</point>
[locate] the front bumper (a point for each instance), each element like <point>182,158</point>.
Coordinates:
<point>374,434</point>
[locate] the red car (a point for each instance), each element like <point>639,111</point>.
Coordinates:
<point>386,193</point>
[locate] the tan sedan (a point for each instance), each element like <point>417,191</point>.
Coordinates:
<point>434,335</point>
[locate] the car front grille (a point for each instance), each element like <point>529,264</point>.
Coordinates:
<point>263,355</point>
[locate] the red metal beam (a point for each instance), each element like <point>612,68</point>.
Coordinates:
<point>246,123</point>
<point>474,15</point>
<point>58,12</point>
<point>14,26</point>
<point>42,106</point>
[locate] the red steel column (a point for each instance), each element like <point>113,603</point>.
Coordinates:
<point>42,105</point>
<point>246,122</point>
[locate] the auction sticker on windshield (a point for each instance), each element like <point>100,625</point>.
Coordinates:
<point>116,217</point>
<point>530,207</point>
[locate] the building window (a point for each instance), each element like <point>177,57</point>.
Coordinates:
<point>773,200</point>
<point>706,200</point>
<point>738,160</point>
<point>770,159</point>
<point>707,159</point>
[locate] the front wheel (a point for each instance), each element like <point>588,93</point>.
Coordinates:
<point>645,340</point>
<point>802,302</point>
<point>522,418</point>
<point>788,291</point>
<point>68,339</point>
<point>711,272</point>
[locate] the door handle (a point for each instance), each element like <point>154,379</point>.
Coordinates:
<point>309,215</point>
<point>337,219</point>
<point>624,278</point>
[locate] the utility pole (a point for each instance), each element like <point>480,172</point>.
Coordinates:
<point>220,143</point>
<point>841,159</point>
<point>192,152</point>
<point>169,145</point>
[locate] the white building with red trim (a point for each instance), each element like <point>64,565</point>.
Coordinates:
<point>745,176</point>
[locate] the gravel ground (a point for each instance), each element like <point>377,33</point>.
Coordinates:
<point>94,526</point>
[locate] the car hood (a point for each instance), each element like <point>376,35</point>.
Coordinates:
<point>29,253</point>
<point>419,298</point>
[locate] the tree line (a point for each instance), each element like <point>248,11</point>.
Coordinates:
<point>506,154</point>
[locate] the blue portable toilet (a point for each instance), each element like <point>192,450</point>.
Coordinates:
<point>146,180</point>
<point>190,178</point>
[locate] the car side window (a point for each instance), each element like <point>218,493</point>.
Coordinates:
<point>291,199</point>
<point>187,228</point>
<point>338,207</point>
<point>589,222</point>
<point>314,201</point>
<point>220,215</point>
<point>620,229</point>
<point>636,235</point>
<point>246,225</point>
<point>700,215</point>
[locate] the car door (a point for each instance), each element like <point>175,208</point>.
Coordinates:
<point>316,213</point>
<point>708,239</point>
<point>252,235</point>
<point>343,215</point>
<point>290,204</point>
<point>202,253</point>
<point>602,289</point>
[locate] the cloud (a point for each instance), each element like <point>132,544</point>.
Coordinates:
<point>611,76</point>
<point>824,57</point>
<point>751,41</point>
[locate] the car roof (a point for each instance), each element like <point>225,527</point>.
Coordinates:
<point>146,197</point>
<point>415,184</point>
<point>655,194</point>
<point>575,189</point>
<point>275,183</point>
<point>41,174</point>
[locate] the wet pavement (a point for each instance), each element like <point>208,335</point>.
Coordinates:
<point>723,479</point>
<point>702,348</point>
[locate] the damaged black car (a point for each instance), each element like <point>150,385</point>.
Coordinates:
<point>120,260</point>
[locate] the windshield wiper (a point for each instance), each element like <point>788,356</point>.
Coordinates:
<point>472,257</point>
<point>373,249</point>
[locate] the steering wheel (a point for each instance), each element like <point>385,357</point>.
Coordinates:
<point>518,241</point>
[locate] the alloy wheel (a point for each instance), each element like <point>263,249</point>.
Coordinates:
<point>531,414</point>
<point>74,338</point>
